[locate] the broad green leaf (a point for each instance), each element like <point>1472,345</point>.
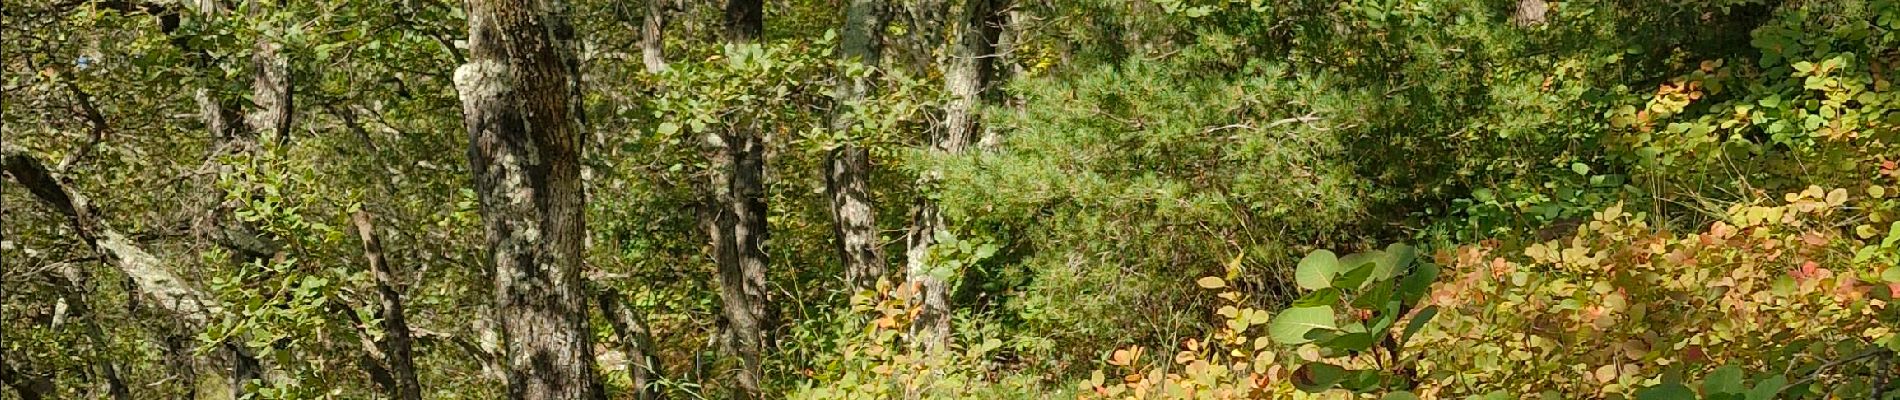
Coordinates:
<point>1320,298</point>
<point>1768,389</point>
<point>1317,377</point>
<point>1892,274</point>
<point>1399,395</point>
<point>1666,391</point>
<point>1398,256</point>
<point>1291,326</point>
<point>1726,379</point>
<point>1355,277</point>
<point>1361,381</point>
<point>1316,271</point>
<point>1351,342</point>
<point>1418,322</point>
<point>1374,296</point>
<point>1414,286</point>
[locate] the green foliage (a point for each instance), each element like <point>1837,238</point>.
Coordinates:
<point>1618,199</point>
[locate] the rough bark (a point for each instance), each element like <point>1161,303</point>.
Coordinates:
<point>967,79</point>
<point>1530,12</point>
<point>652,36</point>
<point>398,358</point>
<point>847,167</point>
<point>148,274</point>
<point>734,219</point>
<point>521,106</point>
<point>643,363</point>
<point>927,18</point>
<point>146,271</point>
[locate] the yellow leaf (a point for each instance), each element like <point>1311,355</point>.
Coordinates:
<point>1211,282</point>
<point>1837,197</point>
<point>1876,191</point>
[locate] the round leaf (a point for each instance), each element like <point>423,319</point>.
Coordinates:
<point>1291,326</point>
<point>1316,271</point>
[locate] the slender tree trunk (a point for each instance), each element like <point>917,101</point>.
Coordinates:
<point>734,219</point>
<point>968,79</point>
<point>73,289</point>
<point>643,363</point>
<point>520,95</point>
<point>398,357</point>
<point>270,83</point>
<point>652,37</point>
<point>847,168</point>
<point>147,274</point>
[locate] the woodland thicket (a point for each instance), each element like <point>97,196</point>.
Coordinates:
<point>920,199</point>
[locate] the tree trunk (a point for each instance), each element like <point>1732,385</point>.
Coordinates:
<point>520,95</point>
<point>72,287</point>
<point>652,38</point>
<point>847,168</point>
<point>926,19</point>
<point>968,80</point>
<point>643,363</point>
<point>735,219</point>
<point>147,273</point>
<point>398,358</point>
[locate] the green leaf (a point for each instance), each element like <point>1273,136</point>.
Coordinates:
<point>1666,391</point>
<point>1374,296</point>
<point>1291,326</point>
<point>1398,256</point>
<point>1351,342</point>
<point>1399,395</point>
<point>669,128</point>
<point>1726,379</point>
<point>1355,277</point>
<point>1316,271</point>
<point>1414,286</point>
<point>1319,298</point>
<point>1891,275</point>
<point>1768,389</point>
<point>1361,381</point>
<point>1317,377</point>
<point>1418,322</point>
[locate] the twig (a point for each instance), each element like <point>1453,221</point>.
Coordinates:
<point>1830,365</point>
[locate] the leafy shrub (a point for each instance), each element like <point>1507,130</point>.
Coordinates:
<point>1619,306</point>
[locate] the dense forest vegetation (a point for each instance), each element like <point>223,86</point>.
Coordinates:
<point>922,199</point>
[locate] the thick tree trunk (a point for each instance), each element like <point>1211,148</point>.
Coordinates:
<point>968,79</point>
<point>927,19</point>
<point>643,363</point>
<point>847,168</point>
<point>398,358</point>
<point>521,105</point>
<point>734,219</point>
